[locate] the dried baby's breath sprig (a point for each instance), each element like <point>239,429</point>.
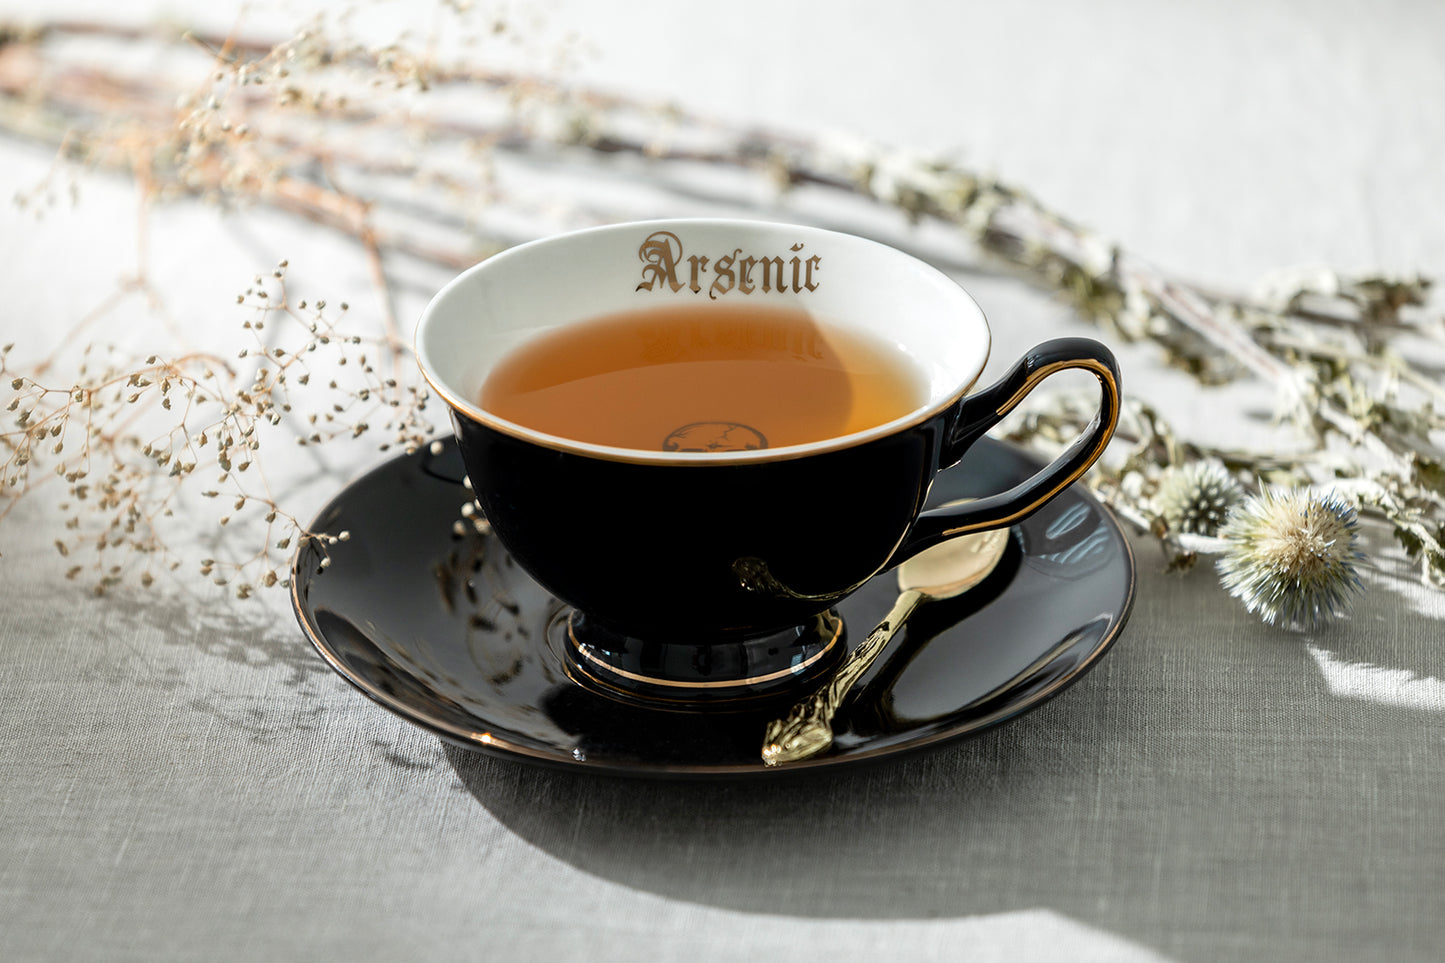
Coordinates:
<point>140,446</point>
<point>1291,557</point>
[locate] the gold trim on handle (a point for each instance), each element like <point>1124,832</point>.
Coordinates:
<point>1100,370</point>
<point>1110,388</point>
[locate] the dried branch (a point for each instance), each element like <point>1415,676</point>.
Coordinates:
<point>412,157</point>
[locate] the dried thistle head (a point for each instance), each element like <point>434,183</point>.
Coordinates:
<point>1196,498</point>
<point>1292,557</point>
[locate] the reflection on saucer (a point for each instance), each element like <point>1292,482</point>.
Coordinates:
<point>1070,539</point>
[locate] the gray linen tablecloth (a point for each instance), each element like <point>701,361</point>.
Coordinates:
<point>182,777</point>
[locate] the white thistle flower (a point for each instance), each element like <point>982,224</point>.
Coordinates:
<point>1196,498</point>
<point>1291,556</point>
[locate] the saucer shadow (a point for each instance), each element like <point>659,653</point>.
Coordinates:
<point>1204,792</point>
<point>1159,799</point>
<point>786,846</point>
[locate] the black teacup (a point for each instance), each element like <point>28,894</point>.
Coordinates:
<point>702,563</point>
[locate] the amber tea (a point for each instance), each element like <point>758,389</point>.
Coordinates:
<point>704,378</point>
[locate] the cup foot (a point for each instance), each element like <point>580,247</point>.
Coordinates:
<point>730,676</point>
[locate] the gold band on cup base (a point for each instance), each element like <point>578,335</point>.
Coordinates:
<point>820,644</point>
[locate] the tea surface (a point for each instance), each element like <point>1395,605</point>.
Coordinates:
<point>703,378</point>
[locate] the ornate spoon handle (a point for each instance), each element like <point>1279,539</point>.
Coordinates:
<point>807,730</point>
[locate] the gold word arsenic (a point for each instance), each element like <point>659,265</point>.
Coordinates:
<point>664,263</point>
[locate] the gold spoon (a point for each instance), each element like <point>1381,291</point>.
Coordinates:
<point>941,572</point>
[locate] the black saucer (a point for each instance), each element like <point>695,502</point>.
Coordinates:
<point>448,633</point>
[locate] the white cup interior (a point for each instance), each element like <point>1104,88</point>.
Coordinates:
<point>499,304</point>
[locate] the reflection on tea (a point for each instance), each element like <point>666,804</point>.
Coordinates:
<point>703,378</point>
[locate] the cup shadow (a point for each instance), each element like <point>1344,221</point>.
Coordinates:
<point>1161,799</point>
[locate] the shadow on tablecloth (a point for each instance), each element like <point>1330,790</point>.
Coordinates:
<point>1212,784</point>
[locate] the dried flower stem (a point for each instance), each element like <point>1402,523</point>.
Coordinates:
<point>126,440</point>
<point>269,117</point>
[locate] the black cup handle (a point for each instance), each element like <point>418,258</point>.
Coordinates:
<point>981,411</point>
